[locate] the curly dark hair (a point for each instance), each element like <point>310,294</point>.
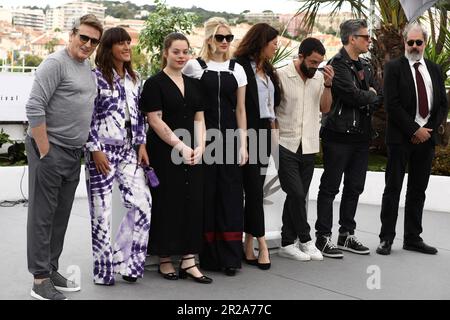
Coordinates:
<point>103,58</point>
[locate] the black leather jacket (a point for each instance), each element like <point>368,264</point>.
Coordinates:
<point>350,101</point>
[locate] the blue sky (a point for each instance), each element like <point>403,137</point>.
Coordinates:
<point>234,6</point>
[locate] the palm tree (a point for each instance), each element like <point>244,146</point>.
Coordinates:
<point>387,38</point>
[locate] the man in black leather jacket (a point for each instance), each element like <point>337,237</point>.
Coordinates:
<point>346,132</point>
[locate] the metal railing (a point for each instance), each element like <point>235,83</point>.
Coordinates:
<point>19,69</point>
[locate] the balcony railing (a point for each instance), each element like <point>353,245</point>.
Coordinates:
<point>19,69</point>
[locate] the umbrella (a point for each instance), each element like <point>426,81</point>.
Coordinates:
<point>415,8</point>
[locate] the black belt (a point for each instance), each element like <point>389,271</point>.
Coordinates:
<point>265,123</point>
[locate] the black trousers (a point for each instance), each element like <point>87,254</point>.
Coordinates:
<point>223,217</point>
<point>295,174</point>
<point>350,160</point>
<point>253,180</point>
<point>418,158</point>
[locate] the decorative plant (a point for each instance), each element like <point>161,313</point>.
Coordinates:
<point>282,53</point>
<point>4,138</point>
<point>158,25</point>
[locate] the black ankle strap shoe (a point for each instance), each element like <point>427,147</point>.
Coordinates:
<point>183,274</point>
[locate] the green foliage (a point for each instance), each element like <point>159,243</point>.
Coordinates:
<point>441,161</point>
<point>310,8</point>
<point>331,31</point>
<point>4,138</point>
<point>158,25</point>
<point>443,58</point>
<point>141,63</point>
<point>50,46</point>
<point>204,15</point>
<point>282,53</point>
<point>392,13</point>
<point>16,152</point>
<point>32,60</point>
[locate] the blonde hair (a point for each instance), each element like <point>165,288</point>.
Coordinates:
<point>211,26</point>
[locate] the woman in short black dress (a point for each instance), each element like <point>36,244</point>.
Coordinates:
<point>172,103</point>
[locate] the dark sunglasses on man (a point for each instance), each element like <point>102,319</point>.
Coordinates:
<point>85,39</point>
<point>365,36</point>
<point>411,42</point>
<point>220,37</point>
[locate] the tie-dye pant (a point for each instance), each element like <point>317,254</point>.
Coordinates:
<point>127,255</point>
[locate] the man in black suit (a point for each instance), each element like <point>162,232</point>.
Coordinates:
<point>416,103</point>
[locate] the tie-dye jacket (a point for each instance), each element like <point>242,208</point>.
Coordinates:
<point>108,119</point>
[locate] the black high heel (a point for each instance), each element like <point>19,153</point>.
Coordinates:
<point>263,266</point>
<point>252,262</point>
<point>183,274</point>
<point>168,276</point>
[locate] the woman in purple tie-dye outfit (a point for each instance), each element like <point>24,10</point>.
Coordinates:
<point>115,151</point>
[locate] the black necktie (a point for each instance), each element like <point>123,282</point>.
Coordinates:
<point>421,92</point>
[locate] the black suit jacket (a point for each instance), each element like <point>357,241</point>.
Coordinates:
<point>251,94</point>
<point>400,101</point>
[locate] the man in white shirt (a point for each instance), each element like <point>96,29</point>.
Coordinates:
<point>416,104</point>
<point>305,93</point>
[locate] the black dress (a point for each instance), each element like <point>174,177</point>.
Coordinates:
<point>224,200</point>
<point>177,212</point>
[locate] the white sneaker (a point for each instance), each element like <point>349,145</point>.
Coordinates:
<point>293,252</point>
<point>311,250</point>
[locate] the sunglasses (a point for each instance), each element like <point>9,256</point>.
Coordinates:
<point>85,39</point>
<point>220,37</point>
<point>365,36</point>
<point>411,42</point>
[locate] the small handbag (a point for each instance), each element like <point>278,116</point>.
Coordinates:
<point>152,179</point>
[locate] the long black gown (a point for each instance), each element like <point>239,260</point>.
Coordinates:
<point>223,203</point>
<point>177,213</point>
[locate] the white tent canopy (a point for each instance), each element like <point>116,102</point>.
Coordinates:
<point>415,8</point>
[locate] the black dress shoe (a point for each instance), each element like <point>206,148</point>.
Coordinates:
<point>183,274</point>
<point>129,279</point>
<point>231,272</point>
<point>419,246</point>
<point>168,276</point>
<point>384,248</point>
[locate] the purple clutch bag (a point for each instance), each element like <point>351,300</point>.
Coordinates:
<point>151,177</point>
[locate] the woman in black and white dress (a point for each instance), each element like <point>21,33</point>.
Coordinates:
<point>223,82</point>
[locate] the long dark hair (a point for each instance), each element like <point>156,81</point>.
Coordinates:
<point>253,44</point>
<point>103,58</point>
<point>168,40</point>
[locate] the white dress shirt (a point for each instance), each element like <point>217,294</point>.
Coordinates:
<point>428,86</point>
